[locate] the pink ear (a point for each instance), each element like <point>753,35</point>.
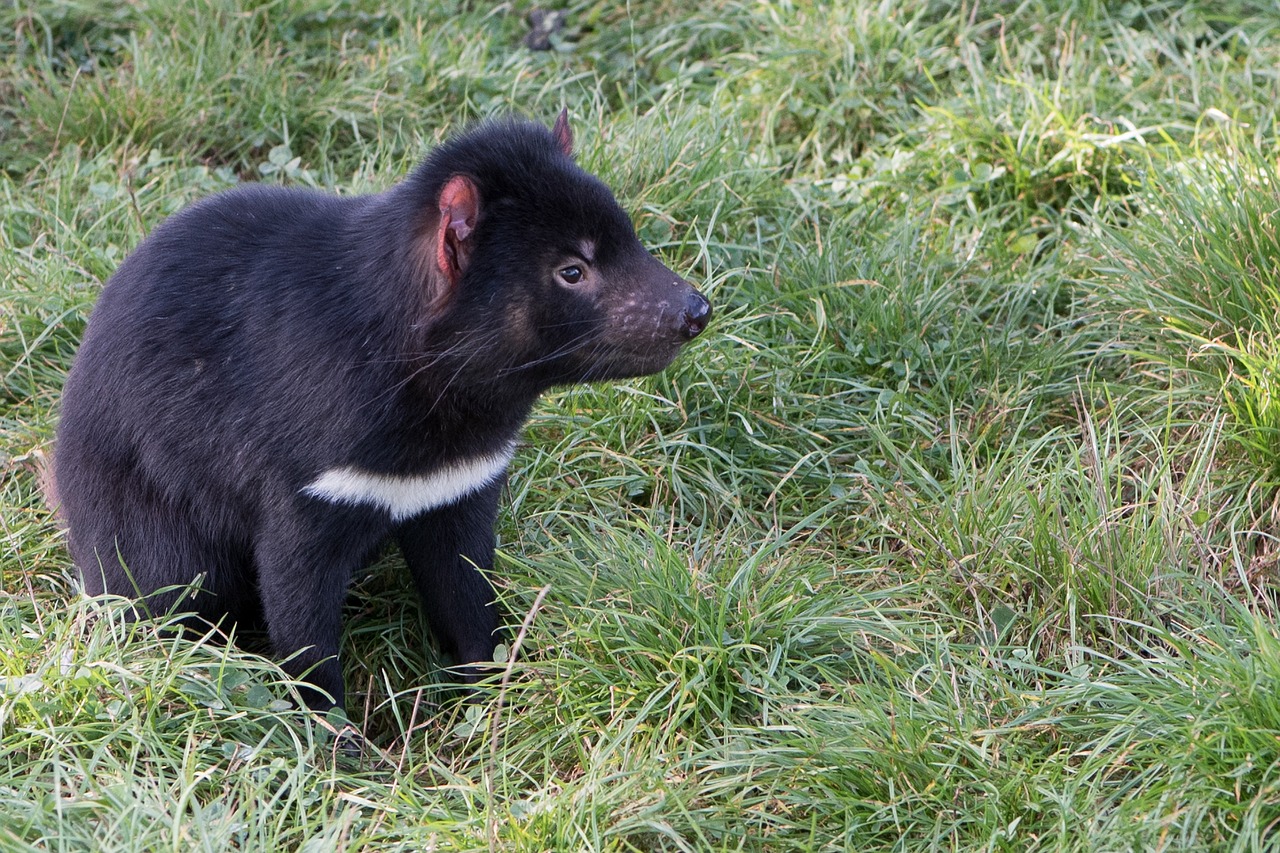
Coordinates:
<point>459,210</point>
<point>562,133</point>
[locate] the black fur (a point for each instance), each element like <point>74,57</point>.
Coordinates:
<point>265,336</point>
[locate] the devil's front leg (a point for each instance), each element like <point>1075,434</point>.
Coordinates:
<point>306,555</point>
<point>448,549</point>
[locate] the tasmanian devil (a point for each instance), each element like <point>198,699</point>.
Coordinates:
<point>276,381</point>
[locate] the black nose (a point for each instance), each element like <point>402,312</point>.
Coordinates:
<point>697,313</point>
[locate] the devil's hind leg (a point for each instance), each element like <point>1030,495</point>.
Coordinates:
<point>127,539</point>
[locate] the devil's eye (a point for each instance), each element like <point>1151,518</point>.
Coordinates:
<point>571,274</point>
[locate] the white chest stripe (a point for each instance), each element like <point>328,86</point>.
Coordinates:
<point>405,497</point>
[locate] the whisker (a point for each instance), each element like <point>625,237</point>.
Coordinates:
<point>475,346</point>
<point>568,348</point>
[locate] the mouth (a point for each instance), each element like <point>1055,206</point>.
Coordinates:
<point>624,362</point>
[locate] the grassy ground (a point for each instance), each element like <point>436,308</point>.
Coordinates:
<point>957,531</point>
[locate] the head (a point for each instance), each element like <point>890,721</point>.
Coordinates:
<point>530,255</point>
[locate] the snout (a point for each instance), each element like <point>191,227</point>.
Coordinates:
<point>697,314</point>
<point>648,320</point>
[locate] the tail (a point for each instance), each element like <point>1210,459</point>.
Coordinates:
<point>40,462</point>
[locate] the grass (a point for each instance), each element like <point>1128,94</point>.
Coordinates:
<point>956,531</point>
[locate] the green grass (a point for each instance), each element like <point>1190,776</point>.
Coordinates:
<point>956,531</point>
